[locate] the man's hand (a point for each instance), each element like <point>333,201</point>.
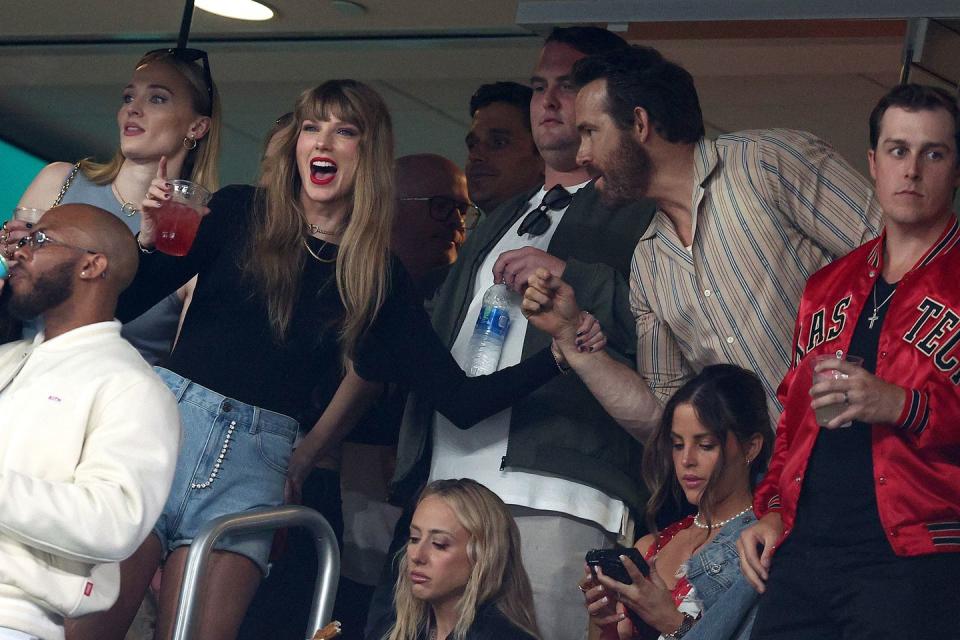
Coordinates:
<point>514,268</point>
<point>754,565</point>
<point>868,398</point>
<point>550,305</point>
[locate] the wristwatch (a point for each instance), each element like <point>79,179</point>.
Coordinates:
<point>686,625</point>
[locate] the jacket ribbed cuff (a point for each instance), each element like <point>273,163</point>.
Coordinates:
<point>916,412</point>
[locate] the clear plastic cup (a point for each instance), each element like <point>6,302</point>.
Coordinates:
<point>827,413</point>
<point>28,214</point>
<point>179,217</point>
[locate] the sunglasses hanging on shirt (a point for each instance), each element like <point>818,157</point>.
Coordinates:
<point>538,221</point>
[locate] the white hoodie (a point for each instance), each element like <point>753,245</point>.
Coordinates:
<point>88,446</point>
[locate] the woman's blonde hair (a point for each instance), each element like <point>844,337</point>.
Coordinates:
<point>498,577</point>
<point>278,236</point>
<point>200,165</point>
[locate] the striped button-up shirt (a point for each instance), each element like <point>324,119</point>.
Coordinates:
<point>769,208</point>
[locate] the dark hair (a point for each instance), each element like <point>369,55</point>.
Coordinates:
<point>641,77</point>
<point>727,400</point>
<point>916,97</point>
<point>511,93</point>
<point>587,40</point>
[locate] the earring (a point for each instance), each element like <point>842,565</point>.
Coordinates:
<point>749,461</point>
<point>83,273</point>
<point>189,143</point>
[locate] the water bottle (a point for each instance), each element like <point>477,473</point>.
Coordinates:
<point>486,343</point>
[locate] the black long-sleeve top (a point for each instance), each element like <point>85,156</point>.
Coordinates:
<point>227,343</point>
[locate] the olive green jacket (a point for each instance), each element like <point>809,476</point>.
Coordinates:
<point>560,429</point>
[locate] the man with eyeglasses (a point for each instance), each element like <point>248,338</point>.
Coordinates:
<point>88,433</point>
<point>433,210</point>
<point>568,472</point>
<point>433,213</point>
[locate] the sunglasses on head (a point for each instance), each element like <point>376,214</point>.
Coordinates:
<point>190,56</point>
<point>537,221</point>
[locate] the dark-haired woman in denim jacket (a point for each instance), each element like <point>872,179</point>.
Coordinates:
<point>713,441</point>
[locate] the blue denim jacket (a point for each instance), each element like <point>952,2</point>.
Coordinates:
<point>729,602</point>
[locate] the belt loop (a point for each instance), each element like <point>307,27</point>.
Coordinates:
<point>254,420</point>
<point>180,382</point>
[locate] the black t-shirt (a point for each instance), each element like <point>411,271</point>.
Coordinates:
<point>838,502</point>
<point>227,343</point>
<point>488,624</point>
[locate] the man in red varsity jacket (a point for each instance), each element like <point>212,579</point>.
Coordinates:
<point>859,530</point>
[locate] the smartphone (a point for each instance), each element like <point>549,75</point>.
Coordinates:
<point>609,561</point>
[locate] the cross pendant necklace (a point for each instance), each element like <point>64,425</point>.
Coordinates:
<point>876,307</point>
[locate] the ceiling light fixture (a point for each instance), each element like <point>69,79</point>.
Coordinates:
<point>348,8</point>
<point>237,9</point>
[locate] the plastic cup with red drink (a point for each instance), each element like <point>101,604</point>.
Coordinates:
<point>178,218</point>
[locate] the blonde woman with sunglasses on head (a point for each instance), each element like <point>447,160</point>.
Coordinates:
<point>170,108</point>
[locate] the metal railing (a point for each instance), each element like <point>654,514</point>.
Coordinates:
<point>328,561</point>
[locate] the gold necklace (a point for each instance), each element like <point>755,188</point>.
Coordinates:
<point>317,231</point>
<point>317,257</point>
<point>127,208</point>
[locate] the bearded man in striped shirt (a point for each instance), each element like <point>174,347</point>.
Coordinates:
<point>743,220</point>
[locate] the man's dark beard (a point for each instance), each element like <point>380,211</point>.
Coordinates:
<point>627,174</point>
<point>49,290</point>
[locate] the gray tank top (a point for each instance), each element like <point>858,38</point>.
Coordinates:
<point>153,332</point>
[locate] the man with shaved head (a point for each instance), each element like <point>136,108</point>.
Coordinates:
<point>88,432</point>
<point>433,213</point>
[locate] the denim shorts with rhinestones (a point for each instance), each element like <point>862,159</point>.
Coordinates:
<point>233,457</point>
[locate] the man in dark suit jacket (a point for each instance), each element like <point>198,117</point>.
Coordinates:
<point>570,474</point>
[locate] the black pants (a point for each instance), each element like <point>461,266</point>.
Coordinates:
<point>281,607</point>
<point>828,593</point>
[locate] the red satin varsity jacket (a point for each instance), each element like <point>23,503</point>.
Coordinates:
<point>917,460</point>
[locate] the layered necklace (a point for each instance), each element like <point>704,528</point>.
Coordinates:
<point>127,208</point>
<point>317,230</point>
<point>717,525</point>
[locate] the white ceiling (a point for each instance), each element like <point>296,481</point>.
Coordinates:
<point>63,65</point>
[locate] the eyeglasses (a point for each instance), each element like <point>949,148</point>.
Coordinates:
<point>38,239</point>
<point>442,207</point>
<point>190,56</point>
<point>537,221</point>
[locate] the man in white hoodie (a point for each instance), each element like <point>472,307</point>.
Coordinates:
<point>88,432</point>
